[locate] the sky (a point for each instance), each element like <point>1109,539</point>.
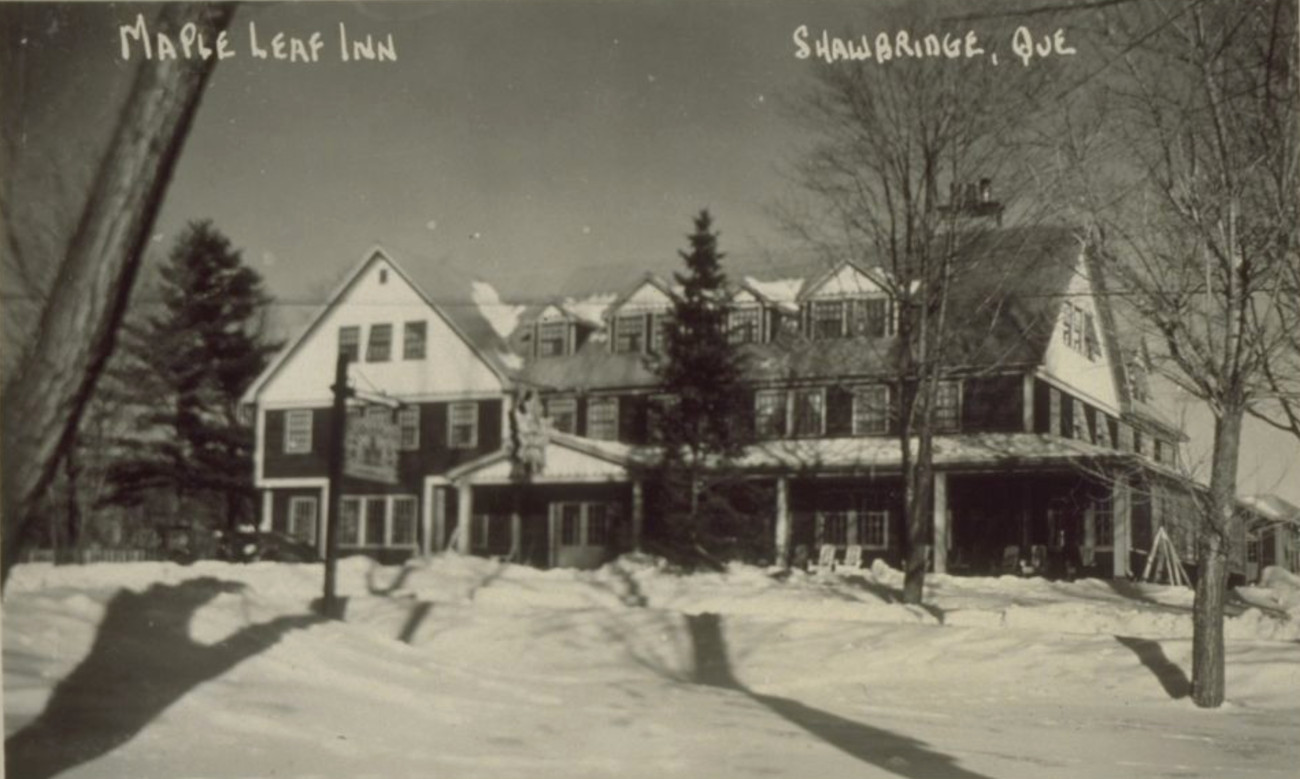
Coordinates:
<point>519,141</point>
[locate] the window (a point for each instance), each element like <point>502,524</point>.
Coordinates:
<point>743,325</point>
<point>350,342</point>
<point>297,432</point>
<point>947,406</point>
<point>1103,522</point>
<point>462,425</point>
<point>1102,436</point>
<point>873,528</point>
<point>809,412</point>
<point>602,418</point>
<point>871,317</point>
<point>408,423</point>
<point>828,319</point>
<point>630,333</point>
<point>871,410</point>
<point>403,530</point>
<point>374,521</point>
<point>302,519</point>
<point>563,413</point>
<point>570,523</point>
<point>380,348</point>
<point>1079,331</point>
<point>414,336</point>
<point>769,413</point>
<point>350,522</point>
<point>835,527</point>
<point>551,338</point>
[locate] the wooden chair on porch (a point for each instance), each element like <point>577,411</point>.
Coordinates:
<point>853,556</point>
<point>826,557</point>
<point>1011,560</point>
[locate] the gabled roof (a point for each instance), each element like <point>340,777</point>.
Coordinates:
<point>648,278</point>
<point>455,306</point>
<point>810,288</point>
<point>1002,313</point>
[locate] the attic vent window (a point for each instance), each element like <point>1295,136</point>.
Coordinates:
<point>383,275</point>
<point>1080,331</point>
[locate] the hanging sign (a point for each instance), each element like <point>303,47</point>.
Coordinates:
<point>371,444</point>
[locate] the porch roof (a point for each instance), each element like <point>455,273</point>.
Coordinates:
<point>970,449</point>
<point>569,458</point>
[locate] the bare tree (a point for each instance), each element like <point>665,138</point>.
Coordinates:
<point>1192,188</point>
<point>899,179</point>
<point>44,402</point>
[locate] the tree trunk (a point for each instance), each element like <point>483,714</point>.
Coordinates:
<point>1217,532</point>
<point>78,326</point>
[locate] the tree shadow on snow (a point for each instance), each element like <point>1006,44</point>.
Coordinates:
<point>1167,672</point>
<point>884,749</point>
<point>143,660</point>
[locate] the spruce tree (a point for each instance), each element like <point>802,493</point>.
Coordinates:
<point>705,427</point>
<point>184,369</point>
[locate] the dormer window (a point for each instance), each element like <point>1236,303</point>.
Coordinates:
<point>659,332</point>
<point>629,333</point>
<point>827,319</point>
<point>872,317</point>
<point>743,325</point>
<point>552,340</point>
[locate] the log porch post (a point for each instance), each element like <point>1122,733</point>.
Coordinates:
<point>940,522</point>
<point>783,522</point>
<point>464,512</point>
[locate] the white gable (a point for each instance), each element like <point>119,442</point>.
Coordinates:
<point>552,313</point>
<point>744,298</point>
<point>1071,366</point>
<point>646,296</point>
<point>379,294</point>
<point>562,465</point>
<point>847,281</point>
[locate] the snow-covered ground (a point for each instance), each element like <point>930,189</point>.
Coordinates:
<point>463,667</point>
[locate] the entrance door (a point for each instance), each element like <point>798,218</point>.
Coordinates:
<point>580,534</point>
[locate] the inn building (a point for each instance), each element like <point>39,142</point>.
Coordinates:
<point>1048,445</point>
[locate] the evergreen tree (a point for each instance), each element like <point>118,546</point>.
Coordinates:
<point>184,370</point>
<point>705,426</point>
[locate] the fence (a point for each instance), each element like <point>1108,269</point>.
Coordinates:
<point>93,555</point>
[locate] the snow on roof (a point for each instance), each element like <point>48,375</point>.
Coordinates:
<point>590,308</point>
<point>784,291</point>
<point>504,317</point>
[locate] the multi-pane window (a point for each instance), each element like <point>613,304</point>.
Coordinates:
<point>403,530</point>
<point>873,528</point>
<point>380,348</point>
<point>297,432</point>
<point>743,325</point>
<point>378,520</point>
<point>828,319</point>
<point>769,413</point>
<point>551,337</point>
<point>871,317</point>
<point>835,527</point>
<point>563,413</point>
<point>585,524</point>
<point>870,409</point>
<point>1079,422</point>
<point>947,406</point>
<point>629,333</point>
<point>408,424</point>
<point>1103,522</point>
<point>809,412</point>
<point>414,337</point>
<point>602,418</point>
<point>1080,331</point>
<point>462,425</point>
<point>302,518</point>
<point>350,522</point>
<point>350,342</point>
